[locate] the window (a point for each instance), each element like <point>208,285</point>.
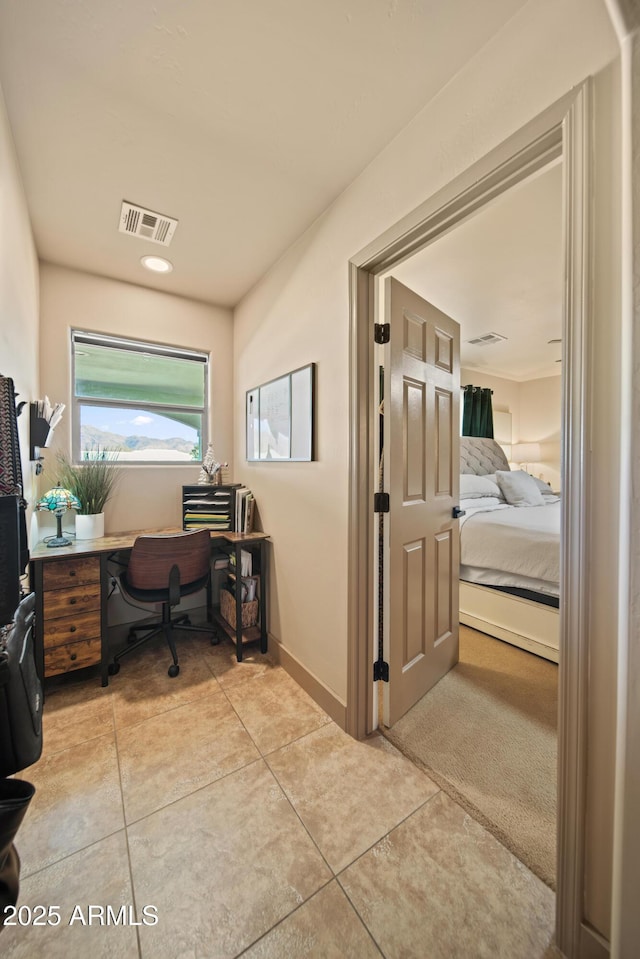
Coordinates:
<point>144,400</point>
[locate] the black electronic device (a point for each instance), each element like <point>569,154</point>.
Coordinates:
<point>9,557</point>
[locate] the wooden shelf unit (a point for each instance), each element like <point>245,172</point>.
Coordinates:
<point>239,634</point>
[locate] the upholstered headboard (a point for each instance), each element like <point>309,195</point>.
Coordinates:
<point>481,456</point>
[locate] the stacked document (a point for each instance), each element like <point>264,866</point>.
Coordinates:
<point>210,511</point>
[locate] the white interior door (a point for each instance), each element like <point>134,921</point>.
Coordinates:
<point>421,457</point>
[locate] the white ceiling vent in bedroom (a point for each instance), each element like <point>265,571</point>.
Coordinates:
<point>136,221</point>
<point>487,339</point>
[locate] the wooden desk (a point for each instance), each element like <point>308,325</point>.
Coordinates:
<point>72,585</point>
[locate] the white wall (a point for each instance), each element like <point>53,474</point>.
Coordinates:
<point>18,292</point>
<point>541,422</point>
<point>146,496</point>
<point>300,311</point>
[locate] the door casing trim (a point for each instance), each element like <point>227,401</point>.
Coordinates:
<point>563,130</point>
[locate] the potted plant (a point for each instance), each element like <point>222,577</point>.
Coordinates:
<point>92,481</point>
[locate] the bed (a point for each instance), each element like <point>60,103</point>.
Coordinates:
<point>509,551</point>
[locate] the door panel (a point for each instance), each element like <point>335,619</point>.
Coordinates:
<point>414,612</point>
<point>443,459</point>
<point>414,426</point>
<point>444,576</point>
<point>421,469</point>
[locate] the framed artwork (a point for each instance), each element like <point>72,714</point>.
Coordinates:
<point>280,418</point>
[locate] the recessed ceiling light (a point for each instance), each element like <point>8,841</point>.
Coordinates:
<point>157,264</point>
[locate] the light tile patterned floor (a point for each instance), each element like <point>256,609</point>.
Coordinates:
<point>229,801</point>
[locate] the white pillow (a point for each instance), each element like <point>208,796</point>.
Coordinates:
<point>518,488</point>
<point>544,488</point>
<point>472,486</point>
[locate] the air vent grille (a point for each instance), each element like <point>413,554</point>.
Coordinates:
<point>487,339</point>
<point>136,221</point>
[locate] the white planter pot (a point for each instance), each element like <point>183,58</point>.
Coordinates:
<point>90,527</point>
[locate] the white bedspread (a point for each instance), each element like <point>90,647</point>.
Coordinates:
<point>520,544</point>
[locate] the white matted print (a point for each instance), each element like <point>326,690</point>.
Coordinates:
<point>280,418</point>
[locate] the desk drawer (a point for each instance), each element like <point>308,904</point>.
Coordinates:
<point>75,599</point>
<point>70,629</point>
<point>63,659</point>
<point>59,573</point>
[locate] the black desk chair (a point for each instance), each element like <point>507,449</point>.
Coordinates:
<point>163,569</point>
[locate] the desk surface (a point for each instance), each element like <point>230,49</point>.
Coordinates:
<point>115,541</point>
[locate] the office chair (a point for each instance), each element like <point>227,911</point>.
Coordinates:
<point>163,569</point>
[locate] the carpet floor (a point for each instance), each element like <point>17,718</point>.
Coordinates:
<point>487,735</point>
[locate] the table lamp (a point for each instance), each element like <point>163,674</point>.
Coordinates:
<point>58,500</point>
<point>526,453</point>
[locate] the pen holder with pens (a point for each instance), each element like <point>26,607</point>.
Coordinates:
<point>40,434</point>
<point>42,420</point>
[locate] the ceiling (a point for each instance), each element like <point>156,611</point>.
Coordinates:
<point>243,120</point>
<point>501,272</point>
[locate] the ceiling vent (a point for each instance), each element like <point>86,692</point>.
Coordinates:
<point>136,221</point>
<point>487,339</point>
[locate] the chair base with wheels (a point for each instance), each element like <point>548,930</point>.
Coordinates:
<point>162,570</point>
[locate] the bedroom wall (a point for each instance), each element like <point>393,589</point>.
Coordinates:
<point>541,422</point>
<point>536,412</point>
<point>146,496</point>
<point>18,291</point>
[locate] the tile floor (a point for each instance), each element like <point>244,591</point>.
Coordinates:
<point>228,801</point>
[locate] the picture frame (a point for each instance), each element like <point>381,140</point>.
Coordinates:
<point>280,417</point>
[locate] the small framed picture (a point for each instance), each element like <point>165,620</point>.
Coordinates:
<point>280,417</point>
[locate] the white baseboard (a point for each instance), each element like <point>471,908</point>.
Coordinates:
<point>521,622</point>
<point>326,699</point>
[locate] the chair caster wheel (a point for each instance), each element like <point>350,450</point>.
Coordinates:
<point>114,669</point>
<point>173,670</point>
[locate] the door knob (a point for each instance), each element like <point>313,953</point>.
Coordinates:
<point>456,512</point>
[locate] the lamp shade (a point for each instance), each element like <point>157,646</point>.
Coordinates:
<point>526,452</point>
<point>58,498</point>
<point>57,501</point>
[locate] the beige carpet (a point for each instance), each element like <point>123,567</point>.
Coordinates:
<point>487,734</point>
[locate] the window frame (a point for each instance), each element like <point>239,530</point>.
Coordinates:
<point>79,336</point>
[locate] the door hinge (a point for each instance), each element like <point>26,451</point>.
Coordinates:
<point>380,502</point>
<point>381,671</point>
<point>381,332</point>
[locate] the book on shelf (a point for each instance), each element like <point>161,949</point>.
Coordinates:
<point>245,508</point>
<point>246,559</point>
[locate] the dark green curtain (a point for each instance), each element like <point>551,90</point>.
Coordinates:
<point>477,412</point>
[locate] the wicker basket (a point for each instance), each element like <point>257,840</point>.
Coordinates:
<point>228,610</point>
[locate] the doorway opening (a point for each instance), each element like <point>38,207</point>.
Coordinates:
<point>561,132</point>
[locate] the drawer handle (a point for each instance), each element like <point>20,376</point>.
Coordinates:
<point>72,602</point>
<point>72,629</point>
<point>72,572</point>
<point>73,657</point>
